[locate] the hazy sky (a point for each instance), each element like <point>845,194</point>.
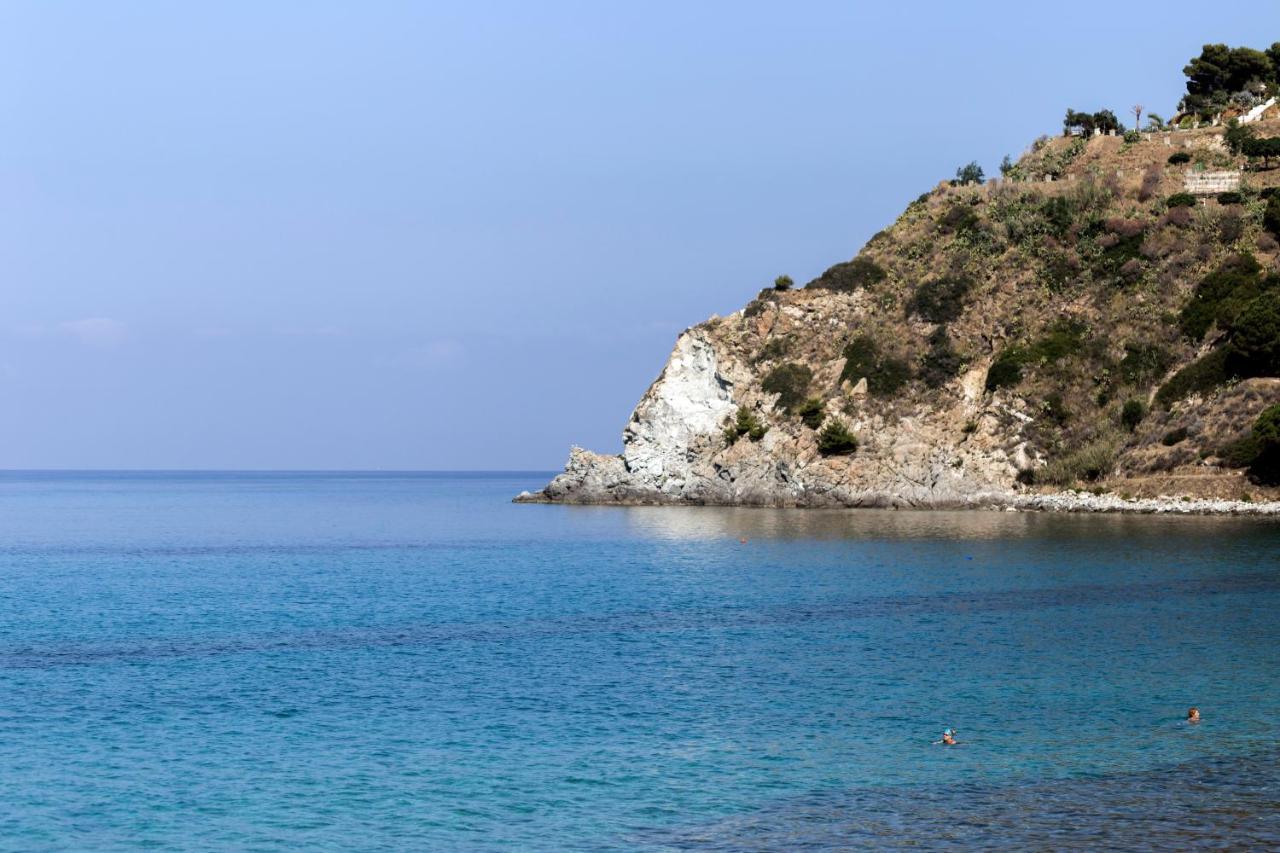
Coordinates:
<point>466,234</point>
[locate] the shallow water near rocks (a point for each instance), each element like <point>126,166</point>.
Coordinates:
<point>409,660</point>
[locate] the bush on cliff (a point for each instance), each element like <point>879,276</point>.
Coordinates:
<point>1259,450</point>
<point>885,374</point>
<point>1089,463</point>
<point>1255,337</point>
<point>1132,414</point>
<point>1060,340</point>
<point>1200,376</point>
<point>1144,363</point>
<point>1271,216</point>
<point>849,276</point>
<point>940,300</point>
<point>790,382</point>
<point>836,440</point>
<point>940,362</point>
<point>745,423</point>
<point>1220,295</point>
<point>811,412</point>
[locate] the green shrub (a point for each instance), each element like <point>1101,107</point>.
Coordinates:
<point>959,217</point>
<point>1255,337</point>
<point>1230,198</point>
<point>1090,463</point>
<point>1060,340</point>
<point>1064,338</point>
<point>774,349</point>
<point>1055,409</point>
<point>1230,228</point>
<point>1200,376</point>
<point>1174,436</point>
<point>745,423</point>
<point>836,439</point>
<point>1178,158</point>
<point>1265,467</point>
<point>1181,200</point>
<point>940,300</point>
<point>849,276</point>
<point>1143,364</point>
<point>1132,414</point>
<point>1059,213</point>
<point>1220,295</point>
<point>1132,136</point>
<point>1241,452</point>
<point>1120,257</point>
<point>885,374</point>
<point>1271,216</point>
<point>811,412</point>
<point>1006,370</point>
<point>940,362</point>
<point>790,382</point>
<point>757,306</point>
<point>783,282</point>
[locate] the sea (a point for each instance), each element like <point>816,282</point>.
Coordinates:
<point>408,661</point>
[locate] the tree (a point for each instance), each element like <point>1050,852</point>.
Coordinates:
<point>1155,121</point>
<point>1255,337</point>
<point>1273,53</point>
<point>783,282</point>
<point>1136,109</point>
<point>1103,121</point>
<point>1237,135</point>
<point>1106,121</point>
<point>1077,121</point>
<point>971,173</point>
<point>1006,165</point>
<point>1265,147</point>
<point>1220,71</point>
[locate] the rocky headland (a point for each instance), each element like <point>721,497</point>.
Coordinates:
<point>1099,330</point>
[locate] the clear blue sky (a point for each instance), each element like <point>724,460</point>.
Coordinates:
<point>466,234</point>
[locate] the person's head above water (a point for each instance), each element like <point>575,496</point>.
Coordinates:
<point>1193,715</point>
<point>949,736</point>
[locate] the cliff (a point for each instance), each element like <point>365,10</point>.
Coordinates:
<point>1082,324</point>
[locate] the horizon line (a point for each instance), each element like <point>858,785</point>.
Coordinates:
<point>277,471</point>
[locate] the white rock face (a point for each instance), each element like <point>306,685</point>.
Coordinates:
<point>687,406</point>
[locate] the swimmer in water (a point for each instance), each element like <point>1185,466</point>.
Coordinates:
<point>948,738</point>
<point>1193,715</point>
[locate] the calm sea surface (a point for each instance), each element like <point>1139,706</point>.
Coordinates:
<point>397,661</point>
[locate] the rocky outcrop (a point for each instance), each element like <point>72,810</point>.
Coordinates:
<point>675,450</point>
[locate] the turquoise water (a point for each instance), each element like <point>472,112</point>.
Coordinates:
<point>274,661</point>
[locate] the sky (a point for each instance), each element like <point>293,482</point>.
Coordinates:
<point>465,235</point>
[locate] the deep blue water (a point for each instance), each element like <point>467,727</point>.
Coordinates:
<point>391,661</point>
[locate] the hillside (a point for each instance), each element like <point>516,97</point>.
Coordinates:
<point>1083,323</point>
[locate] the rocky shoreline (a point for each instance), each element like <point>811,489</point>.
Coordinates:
<point>1072,502</point>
